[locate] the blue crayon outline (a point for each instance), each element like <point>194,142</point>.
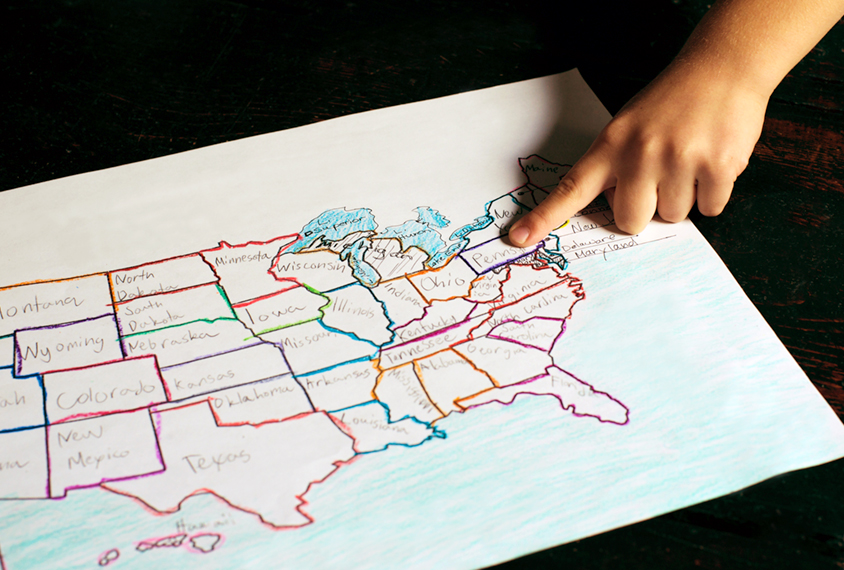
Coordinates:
<point>377,300</point>
<point>435,431</point>
<point>333,366</point>
<point>40,379</point>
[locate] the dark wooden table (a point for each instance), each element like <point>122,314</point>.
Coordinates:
<point>90,84</point>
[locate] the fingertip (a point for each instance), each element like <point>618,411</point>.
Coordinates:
<point>631,227</point>
<point>520,235</point>
<point>713,193</point>
<point>672,214</point>
<point>710,210</point>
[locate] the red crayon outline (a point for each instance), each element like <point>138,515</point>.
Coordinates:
<point>157,262</point>
<point>108,412</point>
<point>223,245</point>
<point>302,502</point>
<point>527,345</point>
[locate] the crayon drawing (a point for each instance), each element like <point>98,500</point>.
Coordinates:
<point>374,386</point>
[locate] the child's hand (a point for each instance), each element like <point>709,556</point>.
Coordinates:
<point>686,137</point>
<point>689,134</point>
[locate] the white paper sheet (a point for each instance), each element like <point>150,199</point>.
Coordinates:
<point>312,348</point>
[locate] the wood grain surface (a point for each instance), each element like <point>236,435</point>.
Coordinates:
<point>90,84</point>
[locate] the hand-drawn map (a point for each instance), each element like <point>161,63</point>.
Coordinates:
<point>358,389</point>
<point>275,363</point>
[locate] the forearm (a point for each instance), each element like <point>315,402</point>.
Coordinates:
<point>755,43</point>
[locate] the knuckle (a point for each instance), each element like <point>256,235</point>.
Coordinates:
<point>683,155</point>
<point>727,166</point>
<point>540,218</point>
<point>722,165</point>
<point>648,145</point>
<point>616,133</point>
<point>568,189</point>
<point>713,202</point>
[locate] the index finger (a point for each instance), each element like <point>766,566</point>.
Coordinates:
<point>582,184</point>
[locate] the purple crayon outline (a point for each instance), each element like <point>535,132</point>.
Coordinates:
<point>130,337</point>
<point>491,307</point>
<point>214,390</point>
<point>502,339</point>
<point>47,474</point>
<point>280,348</point>
<point>591,387</point>
<point>570,407</point>
<point>49,466</point>
<point>155,421</point>
<point>262,381</point>
<point>295,378</point>
<point>19,356</point>
<point>213,354</point>
<point>104,479</point>
<point>40,379</point>
<point>536,247</point>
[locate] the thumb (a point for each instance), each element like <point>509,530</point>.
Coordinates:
<point>586,179</point>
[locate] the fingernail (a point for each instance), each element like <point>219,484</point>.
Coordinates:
<point>519,235</point>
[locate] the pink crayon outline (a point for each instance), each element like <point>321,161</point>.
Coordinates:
<point>103,554</point>
<point>151,542</point>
